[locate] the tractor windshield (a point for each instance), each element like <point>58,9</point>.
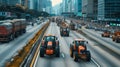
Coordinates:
<point>79,43</point>
<point>49,38</point>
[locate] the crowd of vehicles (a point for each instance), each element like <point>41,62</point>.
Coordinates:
<point>52,19</point>
<point>58,21</point>
<point>113,34</point>
<point>10,29</point>
<point>50,46</point>
<point>78,49</point>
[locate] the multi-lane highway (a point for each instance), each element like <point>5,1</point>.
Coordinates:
<point>104,52</point>
<point>101,55</point>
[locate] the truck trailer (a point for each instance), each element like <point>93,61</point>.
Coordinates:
<point>12,28</point>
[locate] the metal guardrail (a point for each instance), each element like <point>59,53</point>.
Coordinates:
<point>25,56</point>
<point>30,57</point>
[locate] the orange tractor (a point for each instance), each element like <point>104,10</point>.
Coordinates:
<point>78,50</point>
<point>116,36</point>
<point>50,46</point>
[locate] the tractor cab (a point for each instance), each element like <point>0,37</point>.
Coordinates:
<point>50,46</point>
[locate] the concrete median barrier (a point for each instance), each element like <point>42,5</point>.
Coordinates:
<point>26,56</point>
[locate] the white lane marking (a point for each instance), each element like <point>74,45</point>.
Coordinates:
<point>36,59</point>
<point>63,55</point>
<point>95,62</point>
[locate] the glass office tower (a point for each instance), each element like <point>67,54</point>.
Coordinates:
<point>108,9</point>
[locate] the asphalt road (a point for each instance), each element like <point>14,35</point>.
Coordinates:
<point>97,45</point>
<point>64,60</point>
<point>8,50</point>
<point>101,57</point>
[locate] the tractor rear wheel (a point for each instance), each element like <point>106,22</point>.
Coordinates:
<point>88,56</point>
<point>75,56</point>
<point>71,51</point>
<point>41,52</point>
<point>57,52</point>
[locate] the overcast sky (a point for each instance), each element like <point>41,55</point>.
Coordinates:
<point>55,2</point>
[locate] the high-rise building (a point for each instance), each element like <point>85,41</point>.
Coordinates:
<point>58,9</point>
<point>71,6</point>
<point>108,10</point>
<point>9,2</point>
<point>89,8</point>
<point>44,5</point>
<point>79,8</point>
<point>3,2</point>
<point>65,5</point>
<point>34,4</point>
<point>48,6</point>
<point>75,6</point>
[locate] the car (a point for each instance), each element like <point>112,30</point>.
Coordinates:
<point>50,46</point>
<point>78,50</point>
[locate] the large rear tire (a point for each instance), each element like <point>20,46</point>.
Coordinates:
<point>57,50</point>
<point>88,56</point>
<point>24,31</point>
<point>68,34</point>
<point>75,56</point>
<point>41,52</point>
<point>71,50</point>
